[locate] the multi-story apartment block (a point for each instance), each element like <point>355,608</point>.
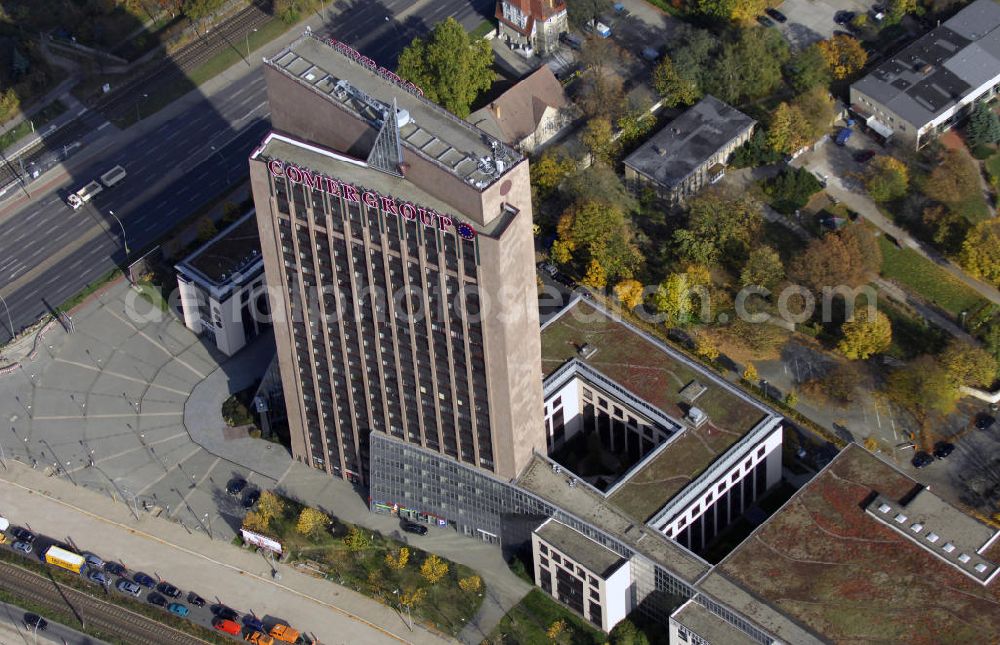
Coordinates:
<point>532,24</point>
<point>398,244</point>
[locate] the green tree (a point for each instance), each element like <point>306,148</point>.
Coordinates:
<point>692,51</point>
<point>887,178</point>
<point>704,346</point>
<point>597,139</point>
<point>674,298</point>
<point>864,335</point>
<point>818,110</point>
<point>580,12</point>
<point>791,398</point>
<point>206,229</point>
<point>596,277</point>
<point>412,597</point>
<point>626,633</point>
<point>748,67</point>
<point>356,540</point>
<point>629,293</point>
<point>433,569</point>
<point>896,9</point>
<point>983,127</point>
<point>672,87</point>
<point>597,230</point>
<point>808,69</point>
<point>634,126</point>
<point>980,254</point>
<point>923,386</point>
<point>791,189</point>
<point>548,171</point>
<point>256,522</point>
<point>719,226</point>
<point>449,67</point>
<point>954,179</point>
<point>968,364</point>
<point>750,374</point>
<point>763,268</point>
<point>946,227</point>
<point>841,258</point>
<point>471,584</point>
<point>736,10</point>
<point>843,54</point>
<point>311,522</point>
<point>863,249</point>
<point>197,9</point>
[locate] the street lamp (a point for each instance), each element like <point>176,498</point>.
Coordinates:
<point>124,239</point>
<point>248,46</point>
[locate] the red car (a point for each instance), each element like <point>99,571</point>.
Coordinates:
<point>227,626</point>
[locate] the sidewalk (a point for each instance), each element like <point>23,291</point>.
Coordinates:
<point>241,578</point>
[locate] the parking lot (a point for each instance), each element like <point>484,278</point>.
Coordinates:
<point>810,21</point>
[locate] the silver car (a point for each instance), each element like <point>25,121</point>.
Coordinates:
<point>129,587</point>
<point>20,545</point>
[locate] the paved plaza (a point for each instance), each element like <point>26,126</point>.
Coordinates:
<point>123,405</point>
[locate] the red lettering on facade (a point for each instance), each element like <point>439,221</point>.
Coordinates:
<point>389,205</point>
<point>444,222</point>
<point>426,218</point>
<point>276,167</point>
<point>351,193</point>
<point>310,180</point>
<point>370,198</point>
<point>408,211</point>
<point>294,174</point>
<point>331,185</point>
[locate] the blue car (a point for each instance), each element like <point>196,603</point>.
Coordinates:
<point>144,580</point>
<point>178,608</point>
<point>98,577</point>
<point>253,624</point>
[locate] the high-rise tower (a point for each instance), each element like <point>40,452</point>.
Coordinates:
<point>397,243</point>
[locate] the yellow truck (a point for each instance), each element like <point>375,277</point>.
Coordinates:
<point>286,634</point>
<point>64,559</point>
<point>258,638</point>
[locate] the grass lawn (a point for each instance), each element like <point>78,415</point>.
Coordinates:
<point>529,620</point>
<point>446,607</point>
<point>934,284</point>
<point>993,165</point>
<point>973,208</point>
<point>23,129</point>
<point>911,336</point>
<point>484,28</point>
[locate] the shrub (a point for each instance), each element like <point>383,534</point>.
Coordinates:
<point>791,190</point>
<point>235,413</point>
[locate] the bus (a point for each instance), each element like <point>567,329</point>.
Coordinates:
<point>64,559</point>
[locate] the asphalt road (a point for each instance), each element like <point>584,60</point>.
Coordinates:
<point>13,631</point>
<point>48,252</point>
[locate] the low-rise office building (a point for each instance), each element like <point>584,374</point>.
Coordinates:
<point>690,152</point>
<point>932,84</point>
<point>222,289</point>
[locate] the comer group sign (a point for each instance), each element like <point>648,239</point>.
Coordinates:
<point>360,195</point>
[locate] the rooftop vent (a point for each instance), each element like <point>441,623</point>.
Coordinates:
<point>587,351</point>
<point>572,482</point>
<point>948,547</point>
<point>696,416</point>
<point>692,391</point>
<point>917,528</point>
<point>556,468</point>
<point>884,508</point>
<point>964,558</point>
<point>981,567</point>
<point>933,537</point>
<point>900,518</point>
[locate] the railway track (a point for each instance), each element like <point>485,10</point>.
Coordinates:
<point>96,613</point>
<point>230,33</point>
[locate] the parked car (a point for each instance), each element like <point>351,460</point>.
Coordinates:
<point>156,599</point>
<point>144,580</point>
<point>572,41</point>
<point>984,422</point>
<point>24,535</point>
<point>864,156</point>
<point>115,569</point>
<point>413,527</point>
<point>195,599</point>
<point>226,626</point>
<point>22,546</point>
<point>943,448</point>
<point>236,486</point>
<point>253,624</point>
<point>225,613</point>
<point>777,15</point>
<point>251,498</point>
<point>93,561</point>
<point>128,587</point>
<point>650,53</point>
<point>843,17</point>
<point>35,622</point>
<point>765,21</point>
<point>921,459</point>
<point>168,589</point>
<point>98,577</point>
<point>178,609</point>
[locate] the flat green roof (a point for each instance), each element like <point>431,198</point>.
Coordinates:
<point>655,373</point>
